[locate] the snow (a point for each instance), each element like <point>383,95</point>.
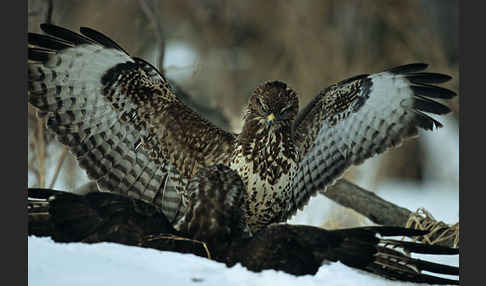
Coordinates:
<point>52,264</point>
<point>180,60</point>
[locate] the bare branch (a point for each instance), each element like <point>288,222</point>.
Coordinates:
<point>58,167</point>
<point>41,152</point>
<point>50,8</point>
<point>149,9</point>
<point>377,209</point>
<point>367,203</point>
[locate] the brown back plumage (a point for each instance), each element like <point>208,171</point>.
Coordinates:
<point>216,207</point>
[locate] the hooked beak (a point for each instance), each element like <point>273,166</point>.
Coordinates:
<point>270,119</point>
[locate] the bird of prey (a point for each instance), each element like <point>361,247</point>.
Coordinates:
<point>216,217</point>
<point>133,136</point>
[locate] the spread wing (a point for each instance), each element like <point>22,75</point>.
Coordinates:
<point>119,117</point>
<point>360,117</point>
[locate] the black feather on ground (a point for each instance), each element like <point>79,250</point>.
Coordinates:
<point>295,249</point>
<point>94,217</point>
<point>292,248</point>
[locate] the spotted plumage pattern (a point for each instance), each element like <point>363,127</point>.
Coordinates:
<point>133,136</point>
<point>265,155</point>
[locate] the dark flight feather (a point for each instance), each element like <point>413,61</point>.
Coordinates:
<point>65,34</point>
<point>409,68</point>
<point>100,38</point>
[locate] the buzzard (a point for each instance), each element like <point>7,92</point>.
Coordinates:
<point>133,136</point>
<point>216,216</point>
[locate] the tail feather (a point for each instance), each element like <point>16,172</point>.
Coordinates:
<point>420,247</point>
<point>369,249</point>
<point>394,274</point>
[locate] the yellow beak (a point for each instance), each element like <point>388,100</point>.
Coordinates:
<point>270,117</point>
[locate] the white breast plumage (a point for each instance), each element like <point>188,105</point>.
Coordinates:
<point>267,181</point>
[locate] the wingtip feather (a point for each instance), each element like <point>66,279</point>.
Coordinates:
<point>100,38</point>
<point>409,68</point>
<point>65,34</point>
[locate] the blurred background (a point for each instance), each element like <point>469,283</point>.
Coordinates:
<point>217,52</point>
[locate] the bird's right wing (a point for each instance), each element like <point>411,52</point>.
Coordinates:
<point>119,117</point>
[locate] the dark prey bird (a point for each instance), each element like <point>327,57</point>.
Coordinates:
<point>216,216</point>
<point>133,136</point>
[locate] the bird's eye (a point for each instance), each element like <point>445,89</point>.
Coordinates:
<point>286,108</point>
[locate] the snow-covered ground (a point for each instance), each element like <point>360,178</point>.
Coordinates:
<point>52,264</point>
<point>72,264</point>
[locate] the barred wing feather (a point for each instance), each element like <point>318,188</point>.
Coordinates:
<point>359,118</point>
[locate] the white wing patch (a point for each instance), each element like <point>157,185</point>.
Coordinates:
<point>391,112</point>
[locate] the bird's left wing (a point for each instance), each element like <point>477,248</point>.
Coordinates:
<point>360,117</point>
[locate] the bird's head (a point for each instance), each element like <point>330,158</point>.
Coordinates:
<point>274,103</point>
